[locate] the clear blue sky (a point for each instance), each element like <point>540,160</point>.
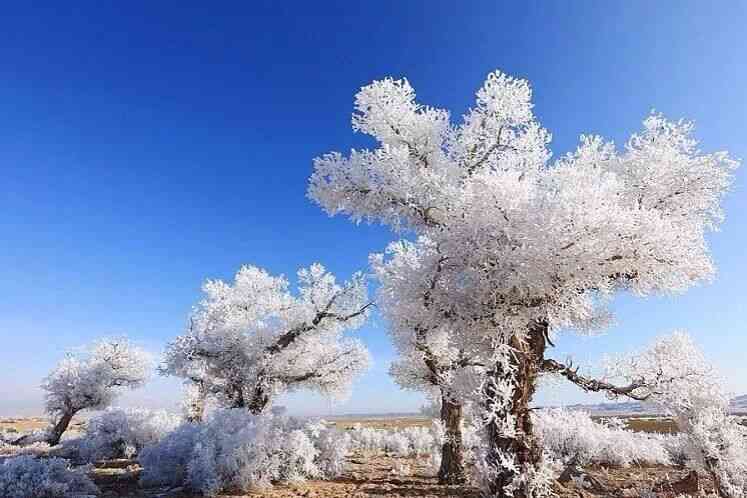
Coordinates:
<point>145,148</point>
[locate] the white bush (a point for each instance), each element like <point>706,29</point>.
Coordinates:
<point>719,445</point>
<point>333,446</point>
<point>397,443</point>
<point>234,449</point>
<point>34,449</point>
<point>166,462</point>
<point>678,447</point>
<point>367,439</point>
<point>570,435</point>
<point>408,442</point>
<point>29,477</point>
<point>118,433</point>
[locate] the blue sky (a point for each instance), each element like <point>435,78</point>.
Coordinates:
<point>144,148</point>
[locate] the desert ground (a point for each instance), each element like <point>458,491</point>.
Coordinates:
<point>386,476</point>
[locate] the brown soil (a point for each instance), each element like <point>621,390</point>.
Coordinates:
<point>373,476</point>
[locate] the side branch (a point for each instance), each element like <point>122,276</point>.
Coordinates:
<point>287,338</point>
<point>593,385</point>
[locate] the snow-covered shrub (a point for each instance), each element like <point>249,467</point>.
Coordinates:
<point>332,444</point>
<point>421,440</point>
<point>29,477</point>
<point>25,438</point>
<point>568,435</point>
<point>677,446</point>
<point>165,463</point>
<point>34,449</point>
<point>397,443</point>
<point>719,444</point>
<point>122,433</point>
<point>410,441</point>
<point>237,450</point>
<point>367,439</point>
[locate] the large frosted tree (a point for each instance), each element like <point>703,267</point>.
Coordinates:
<point>518,246</point>
<point>252,339</point>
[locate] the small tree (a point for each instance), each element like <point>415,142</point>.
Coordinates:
<point>528,247</point>
<point>92,380</point>
<point>252,339</point>
<point>432,359</point>
<point>674,375</point>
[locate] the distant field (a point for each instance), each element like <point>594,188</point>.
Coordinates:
<point>23,424</point>
<point>636,423</point>
<point>380,422</point>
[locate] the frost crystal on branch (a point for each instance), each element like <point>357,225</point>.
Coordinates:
<point>512,247</point>
<point>252,339</point>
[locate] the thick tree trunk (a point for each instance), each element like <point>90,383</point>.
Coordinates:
<point>518,440</point>
<point>452,451</point>
<point>55,434</point>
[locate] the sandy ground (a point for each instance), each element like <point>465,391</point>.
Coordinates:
<point>373,476</point>
<point>366,476</point>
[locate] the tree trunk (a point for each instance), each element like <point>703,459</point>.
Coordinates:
<point>452,458</point>
<point>195,405</point>
<point>517,441</point>
<point>711,465</point>
<point>259,400</point>
<point>55,434</point>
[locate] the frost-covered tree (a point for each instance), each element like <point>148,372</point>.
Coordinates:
<point>91,380</point>
<point>431,359</point>
<point>674,375</point>
<point>252,339</point>
<point>526,246</point>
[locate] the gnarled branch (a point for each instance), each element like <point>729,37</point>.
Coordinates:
<point>588,384</point>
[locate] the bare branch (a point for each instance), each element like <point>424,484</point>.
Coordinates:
<point>588,384</point>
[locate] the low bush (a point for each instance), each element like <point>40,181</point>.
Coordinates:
<point>29,477</point>
<point>573,435</point>
<point>118,433</point>
<point>233,449</point>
